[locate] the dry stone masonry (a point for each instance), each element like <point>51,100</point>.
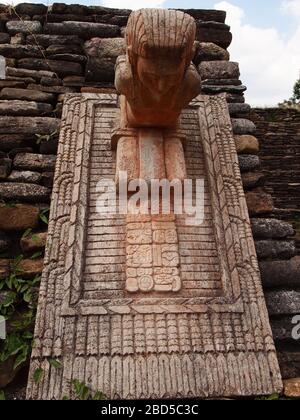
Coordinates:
<point>278,131</point>
<point>62,49</point>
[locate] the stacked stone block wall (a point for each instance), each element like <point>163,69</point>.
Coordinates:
<point>278,131</point>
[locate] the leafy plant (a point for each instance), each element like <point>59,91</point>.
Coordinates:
<point>41,138</point>
<point>16,344</point>
<point>44,215</point>
<point>20,295</point>
<point>55,363</point>
<point>37,375</point>
<point>8,204</point>
<point>83,392</point>
<point>20,289</point>
<point>27,233</point>
<point>2,396</point>
<point>296,93</point>
<point>273,397</point>
<point>36,255</point>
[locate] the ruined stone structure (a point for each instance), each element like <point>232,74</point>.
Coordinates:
<point>158,308</point>
<point>50,52</point>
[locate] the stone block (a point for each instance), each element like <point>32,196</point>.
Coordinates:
<point>26,95</point>
<point>29,177</point>
<point>246,144</point>
<point>33,161</point>
<point>5,167</point>
<point>62,68</point>
<point>25,27</point>
<point>259,202</point>
<point>248,162</point>
<point>18,217</point>
<point>28,125</point>
<point>252,180</point>
<point>210,33</point>
<point>243,126</point>
<point>31,268</point>
<point>219,70</point>
<point>49,40</point>
<point>291,388</point>
<point>289,362</point>
<point>283,302</point>
<point>85,30</point>
<point>24,108</point>
<point>208,51</point>
<point>273,249</point>
<point>30,193</point>
<point>4,242</point>
<point>14,50</point>
<point>281,273</point>
<point>271,228</point>
<point>34,242</point>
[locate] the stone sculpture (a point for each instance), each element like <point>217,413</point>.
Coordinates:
<point>147,306</point>
<point>156,80</point>
<point>156,76</point>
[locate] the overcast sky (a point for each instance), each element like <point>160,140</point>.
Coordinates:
<point>266,40</point>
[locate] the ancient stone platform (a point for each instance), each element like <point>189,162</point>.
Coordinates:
<point>208,338</point>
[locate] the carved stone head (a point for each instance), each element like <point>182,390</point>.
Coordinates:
<point>160,47</point>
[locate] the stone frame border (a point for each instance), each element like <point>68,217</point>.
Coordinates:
<point>225,182</point>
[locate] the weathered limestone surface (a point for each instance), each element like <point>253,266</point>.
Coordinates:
<point>28,125</point>
<point>25,176</point>
<point>208,51</point>
<point>61,67</point>
<point>26,27</point>
<point>275,249</point>
<point>220,339</point>
<point>283,302</point>
<point>26,95</point>
<point>31,193</point>
<point>219,70</point>
<point>271,228</point>
<point>85,30</point>
<point>248,162</point>
<point>24,108</point>
<point>32,161</point>
<point>292,388</point>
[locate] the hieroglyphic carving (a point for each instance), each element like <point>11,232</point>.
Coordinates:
<point>199,345</point>
<point>152,254</point>
<point>156,79</point>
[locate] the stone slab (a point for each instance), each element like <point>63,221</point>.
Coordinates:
<point>212,338</point>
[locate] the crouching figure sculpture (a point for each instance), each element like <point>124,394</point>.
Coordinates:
<point>156,80</point>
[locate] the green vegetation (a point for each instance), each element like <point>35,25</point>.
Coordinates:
<point>294,101</point>
<point>18,307</point>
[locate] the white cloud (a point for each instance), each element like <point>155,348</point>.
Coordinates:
<point>291,7</point>
<point>133,4</point>
<point>269,63</point>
